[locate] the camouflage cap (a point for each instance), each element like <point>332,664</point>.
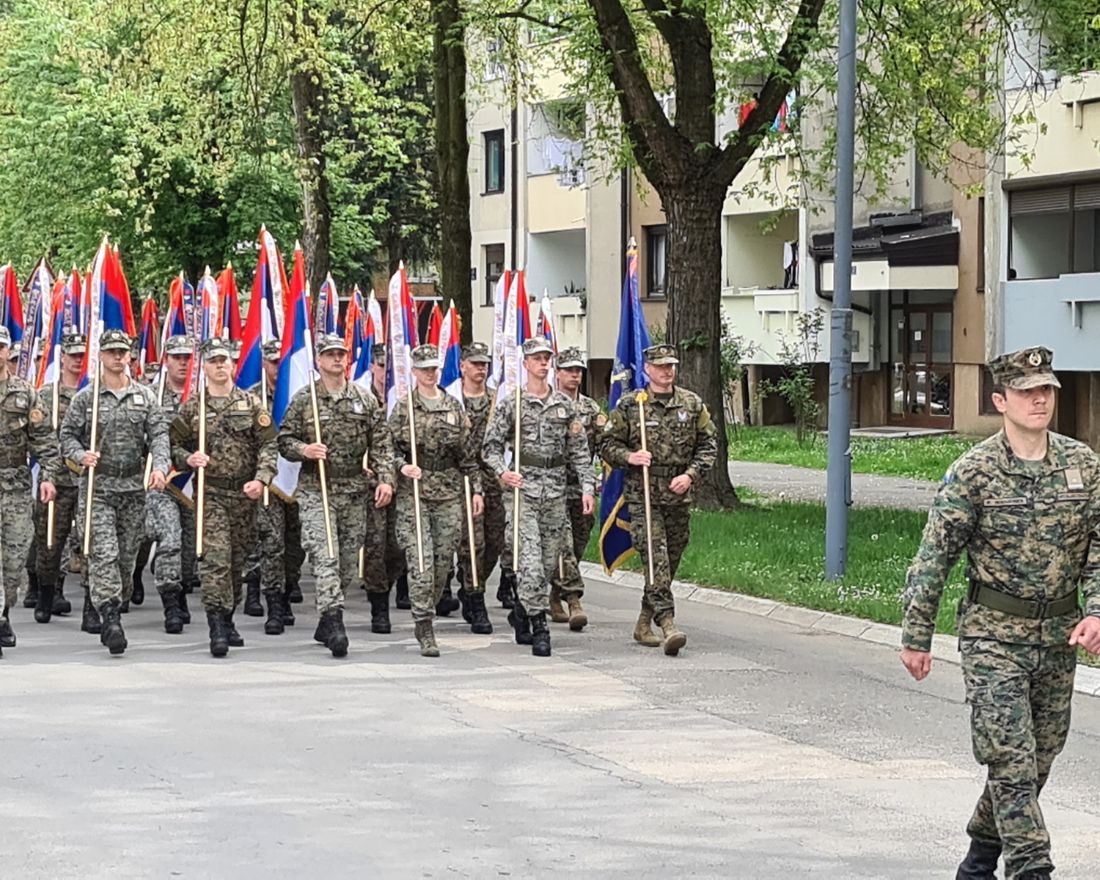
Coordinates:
<point>235,348</point>
<point>661,354</point>
<point>178,345</point>
<point>330,342</point>
<point>571,357</point>
<point>217,347</point>
<point>16,350</point>
<point>5,336</point>
<point>425,357</point>
<point>114,340</point>
<point>1023,369</point>
<point>378,354</point>
<point>150,370</point>
<point>272,350</point>
<point>73,343</point>
<point>477,353</point>
<point>537,345</point>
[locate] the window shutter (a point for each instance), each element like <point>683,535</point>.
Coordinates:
<point>1040,201</point>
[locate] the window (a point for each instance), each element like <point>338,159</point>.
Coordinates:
<point>494,161</point>
<point>656,248</point>
<point>1054,231</point>
<point>494,268</point>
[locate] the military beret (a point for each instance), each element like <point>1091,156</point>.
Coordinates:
<point>477,353</point>
<point>661,354</point>
<point>330,342</point>
<point>272,350</point>
<point>571,357</point>
<point>73,343</point>
<point>114,340</point>
<point>537,345</point>
<point>178,345</point>
<point>217,347</point>
<point>425,357</point>
<point>1023,369</point>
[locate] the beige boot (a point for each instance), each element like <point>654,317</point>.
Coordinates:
<point>425,635</point>
<point>578,620</point>
<point>557,612</point>
<point>643,632</point>
<point>674,639</point>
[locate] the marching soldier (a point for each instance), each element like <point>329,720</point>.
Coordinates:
<point>1023,505</point>
<point>444,456</point>
<point>551,442</point>
<point>240,460</point>
<point>567,582</point>
<point>489,527</point>
<point>23,429</point>
<point>128,423</point>
<point>354,440</point>
<point>682,447</point>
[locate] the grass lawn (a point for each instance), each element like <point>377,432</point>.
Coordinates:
<point>922,458</point>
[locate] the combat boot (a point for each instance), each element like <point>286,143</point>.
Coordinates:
<point>185,612</point>
<point>578,620</point>
<point>479,617</point>
<point>463,596</point>
<point>112,635</point>
<point>294,592</point>
<point>643,630</point>
<point>138,594</point>
<point>540,635</point>
<point>44,609</point>
<point>980,862</point>
<point>288,611</point>
<point>425,636</point>
<point>61,605</point>
<point>506,591</point>
<point>401,600</point>
<point>447,603</point>
<point>274,625</point>
<point>521,623</point>
<point>124,608</point>
<point>337,636</point>
<point>7,635</point>
<point>252,606</point>
<point>320,635</point>
<point>231,634</point>
<point>674,639</point>
<point>31,599</point>
<point>1041,874</point>
<point>90,621</point>
<point>558,613</point>
<point>379,613</point>
<point>219,639</point>
<point>173,620</point>
<point>191,585</point>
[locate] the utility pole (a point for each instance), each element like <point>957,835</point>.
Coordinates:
<point>839,475</point>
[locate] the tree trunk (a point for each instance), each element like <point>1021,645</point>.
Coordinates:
<point>694,212</point>
<point>452,153</point>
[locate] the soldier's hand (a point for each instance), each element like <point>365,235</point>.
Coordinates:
<point>253,489</point>
<point>46,492</point>
<point>198,460</point>
<point>640,459</point>
<point>680,484</point>
<point>477,505</point>
<point>1087,635</point>
<point>157,482</point>
<point>588,504</point>
<point>89,459</point>
<point>315,451</point>
<point>411,471</point>
<point>512,480</point>
<point>383,495</point>
<point>919,663</point>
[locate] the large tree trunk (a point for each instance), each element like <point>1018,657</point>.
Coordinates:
<point>452,154</point>
<point>694,213</point>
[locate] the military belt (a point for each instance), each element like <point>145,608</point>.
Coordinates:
<point>336,473</point>
<point>230,484</point>
<point>13,460</point>
<point>110,469</point>
<point>665,470</point>
<point>529,459</point>
<point>433,464</point>
<point>1035,609</point>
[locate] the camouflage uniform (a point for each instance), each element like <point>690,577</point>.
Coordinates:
<point>567,580</point>
<point>489,528</point>
<point>682,439</point>
<point>165,522</point>
<point>1031,532</point>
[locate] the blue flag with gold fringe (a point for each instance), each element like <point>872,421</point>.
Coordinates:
<point>627,375</point>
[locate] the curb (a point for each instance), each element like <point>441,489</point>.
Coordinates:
<point>944,647</point>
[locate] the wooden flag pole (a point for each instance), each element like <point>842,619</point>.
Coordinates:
<point>93,442</point>
<point>200,478</point>
<point>55,412</point>
<point>263,400</point>
<point>515,468</point>
<point>470,532</point>
<point>416,483</point>
<point>321,476</point>
<point>642,397</point>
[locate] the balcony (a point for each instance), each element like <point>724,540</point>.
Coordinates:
<point>1061,313</point>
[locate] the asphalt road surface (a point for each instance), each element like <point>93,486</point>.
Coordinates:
<point>763,751</point>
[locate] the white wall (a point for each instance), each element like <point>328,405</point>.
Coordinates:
<point>753,255</point>
<point>554,259</point>
<point>1039,247</point>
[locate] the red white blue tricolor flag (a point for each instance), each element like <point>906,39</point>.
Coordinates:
<point>402,338</point>
<point>295,366</point>
<point>265,311</point>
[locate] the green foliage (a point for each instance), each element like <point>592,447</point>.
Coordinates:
<point>798,353</point>
<point>1072,30</point>
<point>735,349</point>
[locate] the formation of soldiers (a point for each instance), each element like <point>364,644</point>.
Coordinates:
<point>440,489</point>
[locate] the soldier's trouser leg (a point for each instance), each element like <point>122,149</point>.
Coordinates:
<point>18,530</point>
<point>294,548</point>
<point>271,528</point>
<point>567,577</point>
<point>228,516</point>
<point>333,574</point>
<point>464,553</point>
<point>542,530</point>
<point>162,524</point>
<point>118,525</point>
<point>1019,700</point>
<point>670,530</point>
<point>395,551</point>
<point>374,562</point>
<point>440,524</point>
<point>189,567</point>
<point>48,559</point>
<point>350,527</point>
<point>494,526</point>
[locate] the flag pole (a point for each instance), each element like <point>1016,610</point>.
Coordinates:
<point>470,531</point>
<point>200,479</point>
<point>317,439</point>
<point>416,483</point>
<point>55,412</point>
<point>515,467</point>
<point>93,441</point>
<point>642,397</point>
<point>263,400</point>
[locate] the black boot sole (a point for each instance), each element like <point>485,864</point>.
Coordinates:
<point>339,646</point>
<point>381,629</point>
<point>274,628</point>
<point>115,642</point>
<point>219,650</point>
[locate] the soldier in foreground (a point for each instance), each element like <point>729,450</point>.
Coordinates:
<point>240,460</point>
<point>354,439</point>
<point>552,441</point>
<point>567,582</point>
<point>682,447</point>
<point>444,456</point>
<point>129,422</point>
<point>1024,506</point>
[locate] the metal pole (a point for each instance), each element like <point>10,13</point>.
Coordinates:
<point>837,497</point>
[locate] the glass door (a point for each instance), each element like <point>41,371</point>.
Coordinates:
<point>920,366</point>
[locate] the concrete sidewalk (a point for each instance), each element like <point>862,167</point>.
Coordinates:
<point>808,484</point>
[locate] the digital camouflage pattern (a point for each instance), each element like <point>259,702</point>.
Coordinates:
<point>164,521</point>
<point>240,440</point>
<point>567,578</point>
<point>47,560</point>
<point>552,442</point>
<point>445,455</point>
<point>1031,530</point>
<point>682,439</point>
<point>129,424</point>
<point>489,528</point>
<point>353,429</point>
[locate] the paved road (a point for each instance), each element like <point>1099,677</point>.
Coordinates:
<point>764,751</point>
<point>808,484</point>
